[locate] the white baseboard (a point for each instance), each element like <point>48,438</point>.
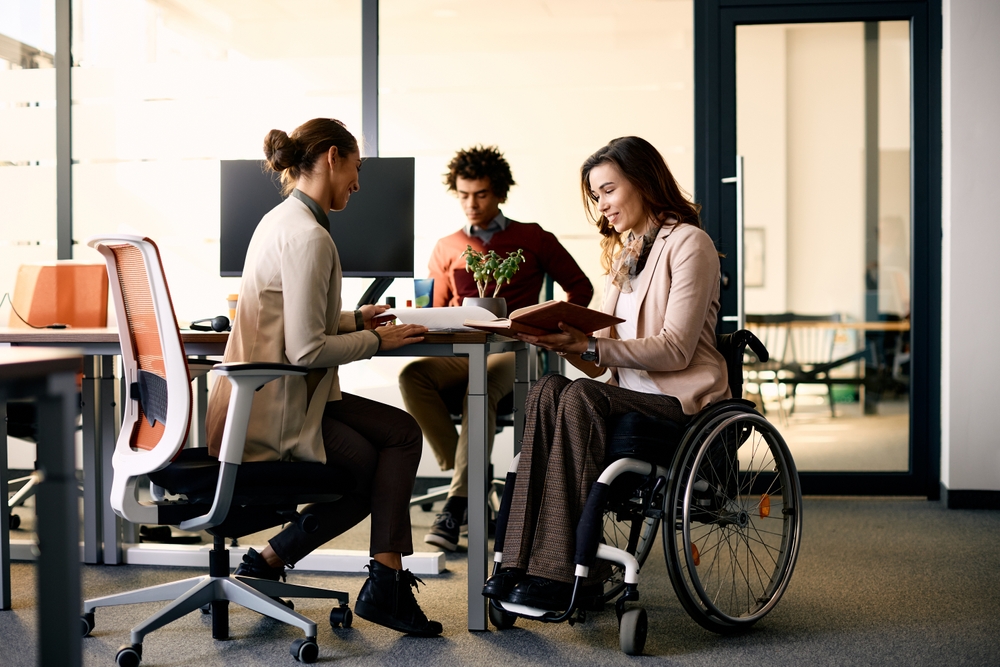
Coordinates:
<point>196,555</point>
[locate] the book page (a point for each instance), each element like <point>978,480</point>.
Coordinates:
<point>450,318</point>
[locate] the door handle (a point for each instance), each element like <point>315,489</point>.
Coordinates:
<point>737,180</point>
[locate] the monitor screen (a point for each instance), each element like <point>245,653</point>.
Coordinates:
<point>374,234</point>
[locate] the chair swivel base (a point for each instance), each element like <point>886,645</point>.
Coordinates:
<point>192,594</point>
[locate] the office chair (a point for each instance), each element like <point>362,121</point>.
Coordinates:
<point>67,293</point>
<point>224,496</point>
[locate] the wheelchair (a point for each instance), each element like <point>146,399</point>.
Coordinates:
<point>726,491</point>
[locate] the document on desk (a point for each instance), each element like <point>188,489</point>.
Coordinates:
<point>441,319</point>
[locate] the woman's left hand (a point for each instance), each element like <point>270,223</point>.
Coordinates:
<point>569,341</point>
<point>370,313</point>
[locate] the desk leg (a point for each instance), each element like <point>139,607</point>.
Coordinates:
<point>58,526</point>
<point>477,483</point>
<point>111,524</point>
<point>91,463</point>
<point>5,514</point>
<point>522,375</point>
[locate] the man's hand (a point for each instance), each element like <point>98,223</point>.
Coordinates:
<point>370,313</point>
<point>570,341</point>
<point>397,336</point>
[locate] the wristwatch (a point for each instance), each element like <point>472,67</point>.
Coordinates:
<point>591,353</point>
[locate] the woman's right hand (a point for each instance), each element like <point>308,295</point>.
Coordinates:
<point>397,335</point>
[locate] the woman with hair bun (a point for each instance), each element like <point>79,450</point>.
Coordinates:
<point>289,311</point>
<point>663,280</point>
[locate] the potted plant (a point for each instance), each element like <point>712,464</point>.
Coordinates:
<point>488,266</point>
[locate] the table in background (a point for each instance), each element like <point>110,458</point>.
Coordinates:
<point>49,377</point>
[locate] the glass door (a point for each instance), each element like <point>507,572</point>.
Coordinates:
<point>816,185</point>
<point>823,132</point>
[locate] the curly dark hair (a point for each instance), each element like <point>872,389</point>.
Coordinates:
<point>481,162</point>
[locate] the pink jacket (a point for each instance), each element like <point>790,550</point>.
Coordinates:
<point>678,305</point>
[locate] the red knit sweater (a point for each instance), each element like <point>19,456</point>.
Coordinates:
<point>543,254</point>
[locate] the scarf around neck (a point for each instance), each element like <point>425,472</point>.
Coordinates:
<point>632,259</point>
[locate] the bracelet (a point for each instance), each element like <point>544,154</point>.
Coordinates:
<point>379,339</point>
<point>359,321</point>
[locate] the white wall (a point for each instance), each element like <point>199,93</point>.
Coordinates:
<point>970,422</point>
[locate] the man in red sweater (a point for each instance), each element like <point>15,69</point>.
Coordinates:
<point>480,177</point>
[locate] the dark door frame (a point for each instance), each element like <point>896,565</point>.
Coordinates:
<point>715,24</point>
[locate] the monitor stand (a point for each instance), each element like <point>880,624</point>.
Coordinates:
<point>374,291</point>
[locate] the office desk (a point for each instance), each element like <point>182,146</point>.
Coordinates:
<point>102,525</point>
<point>48,376</point>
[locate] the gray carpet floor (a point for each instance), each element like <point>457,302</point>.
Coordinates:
<point>878,582</point>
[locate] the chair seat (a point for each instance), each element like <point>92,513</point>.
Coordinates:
<point>636,436</point>
<point>194,473</point>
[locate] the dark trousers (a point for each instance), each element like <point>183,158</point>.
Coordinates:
<point>380,446</point>
<point>562,455</point>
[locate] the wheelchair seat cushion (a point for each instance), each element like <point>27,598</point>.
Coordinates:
<point>636,436</point>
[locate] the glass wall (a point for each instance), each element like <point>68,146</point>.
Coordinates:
<point>27,139</point>
<point>548,83</point>
<point>163,90</point>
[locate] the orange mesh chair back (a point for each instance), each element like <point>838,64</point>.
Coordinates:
<point>140,330</point>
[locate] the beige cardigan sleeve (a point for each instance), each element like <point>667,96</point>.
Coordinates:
<point>309,273</point>
<point>692,266</point>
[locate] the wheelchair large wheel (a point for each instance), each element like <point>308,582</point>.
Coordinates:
<point>734,520</point>
<point>626,528</point>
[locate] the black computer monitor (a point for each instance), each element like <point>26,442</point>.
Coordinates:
<point>374,234</point>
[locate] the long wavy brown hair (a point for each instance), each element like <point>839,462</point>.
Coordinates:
<point>643,166</point>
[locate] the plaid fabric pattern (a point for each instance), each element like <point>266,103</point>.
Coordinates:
<point>562,455</point>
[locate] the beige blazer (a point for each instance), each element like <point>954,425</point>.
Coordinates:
<point>678,304</point>
<point>289,312</point>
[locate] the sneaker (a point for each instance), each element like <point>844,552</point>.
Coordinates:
<point>255,566</point>
<point>445,531</point>
<point>387,599</point>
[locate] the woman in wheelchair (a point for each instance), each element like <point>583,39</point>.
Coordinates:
<point>663,281</point>
<point>289,311</point>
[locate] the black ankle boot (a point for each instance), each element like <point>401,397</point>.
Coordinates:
<point>387,599</point>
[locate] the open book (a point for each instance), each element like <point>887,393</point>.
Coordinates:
<point>545,317</point>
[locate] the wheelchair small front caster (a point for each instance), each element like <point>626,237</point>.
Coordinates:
<point>88,623</point>
<point>14,522</point>
<point>305,650</point>
<point>632,631</point>
<point>129,655</point>
<point>500,619</point>
<point>341,617</point>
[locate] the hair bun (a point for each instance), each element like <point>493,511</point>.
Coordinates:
<point>281,150</point>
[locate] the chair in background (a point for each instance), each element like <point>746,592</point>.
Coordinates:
<point>806,346</point>
<point>67,293</point>
<point>223,496</point>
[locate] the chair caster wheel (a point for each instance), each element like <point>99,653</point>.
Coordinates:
<point>129,655</point>
<point>287,603</point>
<point>88,622</point>
<point>14,522</point>
<point>632,631</point>
<point>500,619</point>
<point>427,507</point>
<point>207,609</point>
<point>305,650</point>
<point>341,616</point>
